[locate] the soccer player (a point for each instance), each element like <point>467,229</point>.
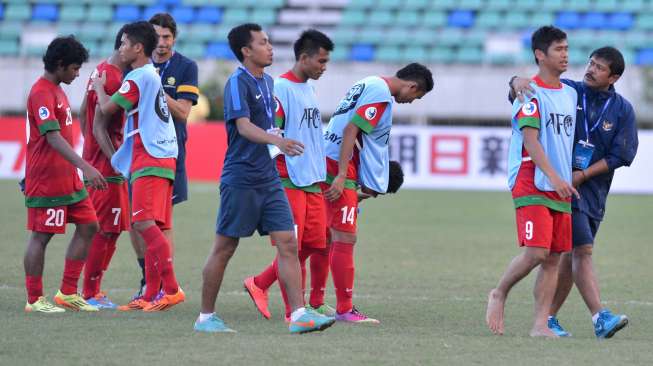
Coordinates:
<point>102,136</point>
<point>606,139</point>
<point>179,78</point>
<point>147,158</point>
<point>54,193</point>
<point>251,195</point>
<point>356,144</point>
<point>540,181</point>
<point>298,115</point>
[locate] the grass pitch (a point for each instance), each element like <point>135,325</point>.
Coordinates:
<point>424,264</point>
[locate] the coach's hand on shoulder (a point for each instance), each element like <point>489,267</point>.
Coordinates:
<point>563,188</point>
<point>522,88</point>
<point>290,147</point>
<point>94,177</point>
<point>335,190</point>
<point>98,82</point>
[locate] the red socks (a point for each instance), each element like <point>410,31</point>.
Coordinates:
<point>266,278</point>
<point>342,272</point>
<point>152,278</point>
<point>34,286</point>
<point>319,275</point>
<point>97,261</point>
<point>71,272</point>
<point>158,246</point>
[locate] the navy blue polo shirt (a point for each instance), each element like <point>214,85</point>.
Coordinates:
<point>248,164</point>
<point>614,138</point>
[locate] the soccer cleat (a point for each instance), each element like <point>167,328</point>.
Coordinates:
<point>608,324</point>
<point>135,304</point>
<point>101,301</point>
<point>259,296</point>
<point>310,322</point>
<point>42,305</point>
<point>139,294</point>
<point>73,302</point>
<point>556,328</point>
<point>323,309</point>
<point>356,317</point>
<point>166,302</point>
<point>212,325</point>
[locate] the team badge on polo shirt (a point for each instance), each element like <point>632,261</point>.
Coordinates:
<point>607,125</point>
<point>124,88</point>
<point>529,109</point>
<point>171,80</point>
<point>44,113</point>
<point>370,113</point>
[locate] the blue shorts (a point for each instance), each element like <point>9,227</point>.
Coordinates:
<point>584,228</point>
<point>244,210</point>
<point>180,186</point>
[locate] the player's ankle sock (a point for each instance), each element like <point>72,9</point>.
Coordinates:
<point>152,278</point>
<point>34,287</point>
<point>204,317</point>
<point>319,276</point>
<point>141,263</point>
<point>154,238</point>
<point>93,265</point>
<point>342,272</point>
<point>266,278</point>
<point>71,271</point>
<point>297,314</point>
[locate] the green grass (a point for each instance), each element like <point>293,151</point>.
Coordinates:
<point>425,261</point>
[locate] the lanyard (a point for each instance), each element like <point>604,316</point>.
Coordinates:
<point>267,99</point>
<point>162,70</point>
<point>598,120</point>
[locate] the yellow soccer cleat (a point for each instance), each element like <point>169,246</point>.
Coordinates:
<point>73,302</point>
<point>42,305</point>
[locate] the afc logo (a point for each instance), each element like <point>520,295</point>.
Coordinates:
<point>312,118</point>
<point>350,99</point>
<point>561,123</point>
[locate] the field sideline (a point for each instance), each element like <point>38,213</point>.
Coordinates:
<point>425,262</point>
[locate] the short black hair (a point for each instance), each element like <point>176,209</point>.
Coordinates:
<point>613,57</point>
<point>310,42</point>
<point>544,36</point>
<point>64,51</point>
<point>142,32</point>
<point>396,177</point>
<point>419,74</point>
<point>241,36</point>
<point>165,20</point>
<point>118,41</point>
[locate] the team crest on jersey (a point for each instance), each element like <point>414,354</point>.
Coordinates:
<point>171,80</point>
<point>607,125</point>
<point>370,113</point>
<point>350,99</point>
<point>124,88</point>
<point>44,113</point>
<point>529,109</point>
<point>161,106</point>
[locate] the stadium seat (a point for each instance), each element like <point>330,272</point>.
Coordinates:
<point>469,55</point>
<point>201,32</point>
<point>209,14</point>
<point>193,50</point>
<point>515,20</point>
<point>423,37</point>
<point>441,55</point>
<point>645,57</point>
<point>582,38</point>
<point>461,19</point>
<point>105,48</point>
<point>539,19</point>
<point>634,6</point>
<point>578,5</point>
<point>263,16</point>
<point>8,47</point>
<point>594,20</point>
<point>344,36</point>
<point>361,52</point>
<point>415,4</point>
<point>414,54</point>
<point>149,11</point>
<point>553,5</point>
<point>67,28</point>
<point>127,13</point>
<point>183,14</point>
<point>386,4</point>
<point>443,4</point>
<point>17,12</point>
<point>568,20</point>
<point>90,32</point>
<point>361,4</point>
<point>170,2</point>
<point>2,10</point>
<point>470,4</point>
<point>219,50</point>
<point>387,54</point>
<point>498,5</point>
<point>371,35</point>
<point>577,56</point>
<point>434,19</point>
<point>620,21</point>
<point>606,5</point>
<point>475,38</point>
<point>339,53</point>
<point>638,39</point>
<point>99,13</point>
<point>406,18</point>
<point>72,13</point>
<point>527,5</point>
<point>449,37</point>
<point>396,36</point>
<point>10,30</point>
<point>644,21</point>
<point>501,59</point>
<point>352,17</point>
<point>234,16</point>
<point>380,18</point>
<point>489,20</point>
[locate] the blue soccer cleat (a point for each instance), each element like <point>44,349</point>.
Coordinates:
<point>212,325</point>
<point>608,324</point>
<point>101,301</point>
<point>310,322</point>
<point>556,328</point>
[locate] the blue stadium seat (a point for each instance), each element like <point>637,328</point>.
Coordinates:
<point>2,10</point>
<point>127,13</point>
<point>645,57</point>
<point>621,21</point>
<point>361,52</point>
<point>154,9</point>
<point>219,50</point>
<point>45,12</point>
<point>183,14</point>
<point>568,20</point>
<point>461,19</point>
<point>170,2</point>
<point>594,20</point>
<point>209,14</point>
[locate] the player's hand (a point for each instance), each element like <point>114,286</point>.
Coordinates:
<point>94,178</point>
<point>577,178</point>
<point>290,147</point>
<point>335,190</point>
<point>369,192</point>
<point>522,88</point>
<point>362,196</point>
<point>97,82</point>
<point>563,188</point>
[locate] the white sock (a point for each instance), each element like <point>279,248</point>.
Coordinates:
<point>595,317</point>
<point>297,314</point>
<point>203,317</point>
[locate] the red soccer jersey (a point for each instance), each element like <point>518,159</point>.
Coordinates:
<point>50,180</point>
<point>92,152</point>
<point>142,162</point>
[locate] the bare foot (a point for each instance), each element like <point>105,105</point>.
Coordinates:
<point>543,331</point>
<point>494,313</point>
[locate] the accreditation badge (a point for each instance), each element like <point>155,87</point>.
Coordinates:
<point>583,152</point>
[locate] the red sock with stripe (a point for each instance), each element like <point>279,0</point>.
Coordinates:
<point>71,271</point>
<point>342,272</point>
<point>34,287</point>
<point>93,265</point>
<point>266,278</point>
<point>154,238</point>
<point>319,275</point>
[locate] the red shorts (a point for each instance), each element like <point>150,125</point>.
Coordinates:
<point>540,226</point>
<point>54,219</point>
<point>112,207</point>
<point>309,214</point>
<point>152,200</point>
<point>342,214</point>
